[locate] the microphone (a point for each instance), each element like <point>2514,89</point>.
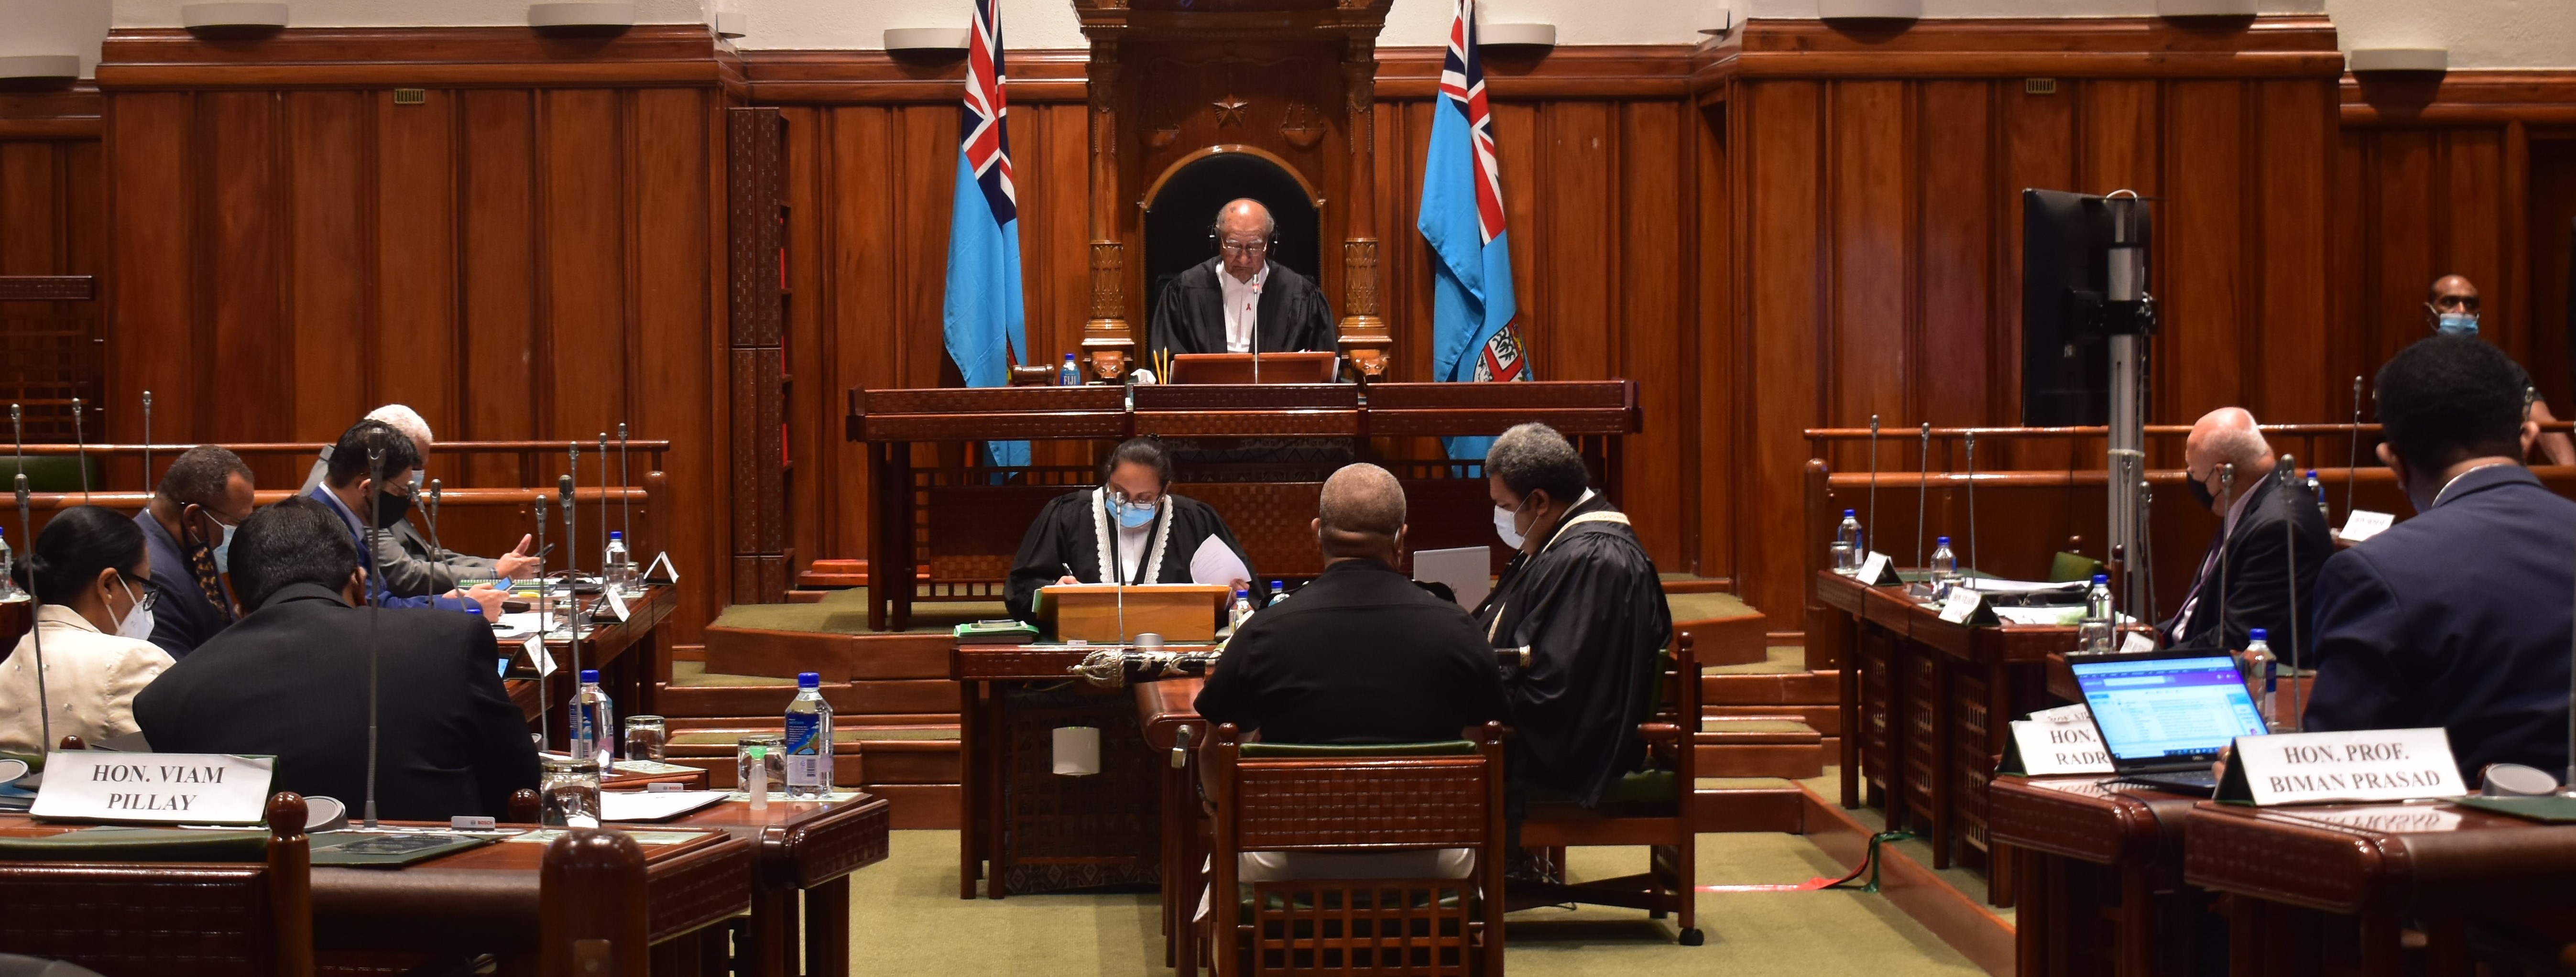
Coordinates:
<point>625,506</point>
<point>147,441</point>
<point>1972,500</point>
<point>2288,471</point>
<point>2227,496</point>
<point>81,440</point>
<point>1868,531</point>
<point>45,741</point>
<point>1922,488</point>
<point>572,540</point>
<point>572,545</point>
<point>2352,451</point>
<point>603,508</point>
<point>545,625</point>
<point>439,550</point>
<point>375,611</point>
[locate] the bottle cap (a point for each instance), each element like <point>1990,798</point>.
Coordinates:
<point>760,753</point>
<point>2258,634</point>
<point>809,680</point>
<point>590,675</point>
<point>1847,513</point>
<point>1941,540</point>
<point>616,535</point>
<point>2101,578</point>
<point>1068,357</point>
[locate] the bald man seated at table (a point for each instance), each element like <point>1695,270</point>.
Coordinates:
<point>1362,655</point>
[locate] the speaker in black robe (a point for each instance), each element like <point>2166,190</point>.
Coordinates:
<point>1591,610</point>
<point>1292,315</point>
<point>1070,533</point>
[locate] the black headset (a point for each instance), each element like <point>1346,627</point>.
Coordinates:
<point>1216,234</point>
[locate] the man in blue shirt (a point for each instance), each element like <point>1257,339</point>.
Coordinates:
<point>188,526</point>
<point>353,493</point>
<point>2458,617</point>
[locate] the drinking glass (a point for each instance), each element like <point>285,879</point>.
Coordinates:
<point>776,760</point>
<point>571,789</point>
<point>645,738</point>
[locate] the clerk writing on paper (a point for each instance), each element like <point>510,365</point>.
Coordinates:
<point>2458,617</point>
<point>1227,303</point>
<point>1129,530</point>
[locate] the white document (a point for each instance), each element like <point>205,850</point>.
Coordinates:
<point>1215,563</point>
<point>628,805</point>
<point>2363,524</point>
<point>515,624</point>
<point>2072,588</point>
<point>2134,642</point>
<point>161,788</point>
<point>2357,765</point>
<point>2052,616</point>
<point>1468,570</point>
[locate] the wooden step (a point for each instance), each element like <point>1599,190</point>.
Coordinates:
<point>1826,718</point>
<point>1749,804</point>
<point>836,657</point>
<point>1758,746</point>
<point>1770,688</point>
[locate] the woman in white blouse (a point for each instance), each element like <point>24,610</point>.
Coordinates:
<point>93,583</point>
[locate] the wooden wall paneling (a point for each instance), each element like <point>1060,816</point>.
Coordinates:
<point>500,290</point>
<point>756,475</point>
<point>52,223</point>
<point>2035,148</point>
<point>925,188</point>
<point>2293,144</point>
<point>1575,216</point>
<point>330,200</point>
<point>585,151</point>
<point>1956,215</point>
<point>2410,229</point>
<point>1654,279</point>
<point>2354,227</point>
<point>151,214</point>
<point>1518,151</point>
<point>817,445</point>
<point>417,338</point>
<point>1716,396</point>
<point>1786,293</point>
<point>676,329</point>
<point>1870,340</point>
<point>240,324</point>
<point>2211,287</point>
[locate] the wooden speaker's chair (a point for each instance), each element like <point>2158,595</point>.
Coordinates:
<point>1346,800</point>
<point>148,909</point>
<point>1652,807</point>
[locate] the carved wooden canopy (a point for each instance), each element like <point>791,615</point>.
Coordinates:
<point>1172,80</point>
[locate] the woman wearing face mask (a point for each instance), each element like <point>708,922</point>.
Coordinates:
<point>93,583</point>
<point>1130,529</point>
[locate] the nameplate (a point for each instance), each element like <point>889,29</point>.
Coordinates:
<point>1965,606</point>
<point>2360,765</point>
<point>2136,641</point>
<point>2058,741</point>
<point>2363,524</point>
<point>154,788</point>
<point>616,603</point>
<point>1877,571</point>
<point>537,657</point>
<point>661,570</point>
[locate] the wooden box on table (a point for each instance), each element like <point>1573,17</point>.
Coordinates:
<point>1182,613</point>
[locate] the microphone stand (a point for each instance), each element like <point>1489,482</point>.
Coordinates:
<point>545,627</point>
<point>375,610</point>
<point>625,506</point>
<point>572,542</point>
<point>603,511</point>
<point>2227,498</point>
<point>1972,500</point>
<point>2290,536</point>
<point>81,440</point>
<point>1922,488</point>
<point>1871,529</point>
<point>147,441</point>
<point>35,626</point>
<point>572,621</point>
<point>2352,451</point>
<point>438,551</point>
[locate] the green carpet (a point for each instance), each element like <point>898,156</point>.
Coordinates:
<point>907,919</point>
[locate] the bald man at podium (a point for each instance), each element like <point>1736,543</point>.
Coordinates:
<point>1241,299</point>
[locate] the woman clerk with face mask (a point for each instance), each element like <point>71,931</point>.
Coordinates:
<point>1131,529</point>
<point>93,584</point>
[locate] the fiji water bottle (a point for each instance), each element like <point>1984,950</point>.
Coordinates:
<point>1278,592</point>
<point>621,572</point>
<point>1945,564</point>
<point>1242,606</point>
<point>593,718</point>
<point>1070,375</point>
<point>1847,551</point>
<point>2265,680</point>
<point>809,740</point>
<point>2318,489</point>
<point>2093,633</point>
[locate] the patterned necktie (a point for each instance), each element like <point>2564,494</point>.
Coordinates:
<point>201,560</point>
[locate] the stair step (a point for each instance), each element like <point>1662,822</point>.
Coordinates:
<point>1748,804</point>
<point>1805,688</point>
<point>1825,718</point>
<point>1758,746</point>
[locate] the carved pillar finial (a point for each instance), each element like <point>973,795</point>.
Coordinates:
<point>1107,341</point>
<point>1364,337</point>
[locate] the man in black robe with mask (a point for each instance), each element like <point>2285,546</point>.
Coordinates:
<point>1584,598</point>
<point>1130,529</point>
<point>1241,299</point>
<point>354,493</point>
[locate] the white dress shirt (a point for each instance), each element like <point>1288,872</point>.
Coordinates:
<point>1242,306</point>
<point>90,682</point>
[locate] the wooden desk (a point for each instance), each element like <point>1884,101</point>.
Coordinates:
<point>808,847</point>
<point>2329,889</point>
<point>485,900</point>
<point>629,655</point>
<point>1164,709</point>
<point>2099,876</point>
<point>1025,828</point>
<point>1925,712</point>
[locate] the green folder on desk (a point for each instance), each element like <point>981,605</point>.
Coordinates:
<point>2546,810</point>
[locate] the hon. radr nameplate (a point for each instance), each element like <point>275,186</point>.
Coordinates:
<point>156,788</point>
<point>2358,765</point>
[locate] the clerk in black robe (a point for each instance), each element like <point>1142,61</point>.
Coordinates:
<point>1081,534</point>
<point>1584,598</point>
<point>1241,299</point>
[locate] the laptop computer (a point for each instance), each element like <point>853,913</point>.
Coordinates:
<point>2165,716</point>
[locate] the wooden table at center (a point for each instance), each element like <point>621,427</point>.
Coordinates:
<point>2098,876</point>
<point>2333,888</point>
<point>1926,707</point>
<point>629,655</point>
<point>1025,828</point>
<point>806,847</point>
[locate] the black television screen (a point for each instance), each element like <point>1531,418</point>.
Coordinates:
<point>2065,355</point>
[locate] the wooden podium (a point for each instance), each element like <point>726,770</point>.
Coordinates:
<point>1247,368</point>
<point>1183,613</point>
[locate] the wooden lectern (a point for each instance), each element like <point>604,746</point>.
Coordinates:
<point>1183,613</point>
<point>1269,368</point>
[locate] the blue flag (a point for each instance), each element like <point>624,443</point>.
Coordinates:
<point>1472,305</point>
<point>982,317</point>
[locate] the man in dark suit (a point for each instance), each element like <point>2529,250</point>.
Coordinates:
<point>290,679</point>
<point>189,525</point>
<point>1241,299</point>
<point>2270,543</point>
<point>2458,617</point>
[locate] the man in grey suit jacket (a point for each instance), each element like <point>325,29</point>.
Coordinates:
<point>413,564</point>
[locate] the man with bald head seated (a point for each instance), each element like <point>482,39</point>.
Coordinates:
<point>2269,534</point>
<point>2451,308</point>
<point>1363,654</point>
<point>1241,298</point>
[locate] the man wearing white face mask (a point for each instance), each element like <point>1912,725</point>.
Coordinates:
<point>188,526</point>
<point>1131,529</point>
<point>1584,598</point>
<point>91,575</point>
<point>2451,308</point>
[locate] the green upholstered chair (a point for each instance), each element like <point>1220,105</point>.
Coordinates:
<point>1654,807</point>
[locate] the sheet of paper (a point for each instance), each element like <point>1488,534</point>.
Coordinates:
<point>2023,587</point>
<point>624,805</point>
<point>515,624</point>
<point>1468,570</point>
<point>2057,616</point>
<point>1215,563</point>
<point>2363,524</point>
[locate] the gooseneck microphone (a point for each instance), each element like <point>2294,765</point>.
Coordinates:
<point>603,508</point>
<point>1972,500</point>
<point>1868,532</point>
<point>2227,504</point>
<point>625,506</point>
<point>2290,535</point>
<point>2352,456</point>
<point>572,544</point>
<point>35,623</point>
<point>147,441</point>
<point>438,550</point>
<point>545,627</point>
<point>375,610</point>
<point>80,442</point>
<point>1922,488</point>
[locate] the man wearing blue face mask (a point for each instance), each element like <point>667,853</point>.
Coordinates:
<point>1130,529</point>
<point>2451,308</point>
<point>188,526</point>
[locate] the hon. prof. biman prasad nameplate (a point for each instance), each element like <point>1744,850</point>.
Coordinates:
<point>2356,765</point>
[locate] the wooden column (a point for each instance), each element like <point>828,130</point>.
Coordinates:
<point>1106,339</point>
<point>1364,337</point>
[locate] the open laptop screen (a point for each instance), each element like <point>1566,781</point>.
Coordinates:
<point>2154,708</point>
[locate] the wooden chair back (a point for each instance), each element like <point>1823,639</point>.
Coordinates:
<point>147,919</point>
<point>594,916</point>
<point>1665,822</point>
<point>1357,800</point>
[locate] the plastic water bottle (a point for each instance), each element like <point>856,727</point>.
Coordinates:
<point>2318,489</point>
<point>2267,670</point>
<point>8,561</point>
<point>1242,606</point>
<point>621,571</point>
<point>1278,592</point>
<point>2093,634</point>
<point>1847,545</point>
<point>593,718</point>
<point>1070,375</point>
<point>1945,564</point>
<point>809,740</point>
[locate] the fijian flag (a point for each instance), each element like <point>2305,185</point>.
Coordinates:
<point>1462,218</point>
<point>982,315</point>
